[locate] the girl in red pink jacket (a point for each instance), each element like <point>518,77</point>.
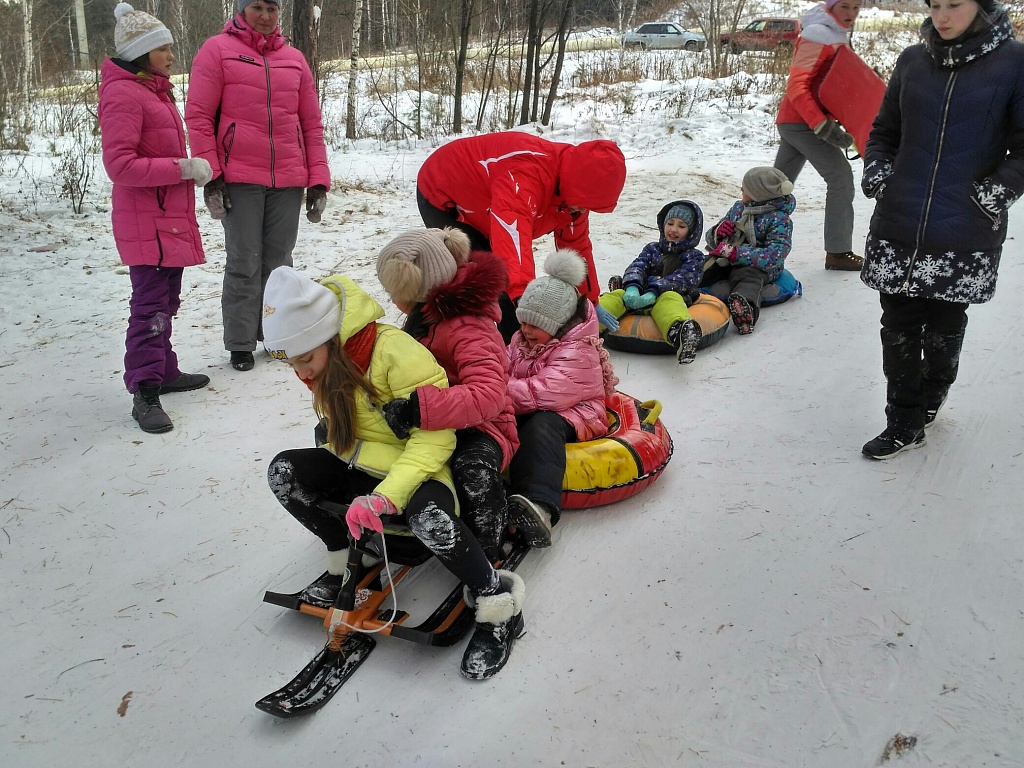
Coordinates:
<point>253,113</point>
<point>451,298</point>
<point>560,377</point>
<point>153,205</point>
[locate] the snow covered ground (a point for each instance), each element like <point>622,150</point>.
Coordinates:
<point>775,600</point>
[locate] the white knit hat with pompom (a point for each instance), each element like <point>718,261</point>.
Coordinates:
<point>548,302</point>
<point>137,33</point>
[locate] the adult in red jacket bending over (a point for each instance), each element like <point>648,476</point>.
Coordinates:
<point>506,189</point>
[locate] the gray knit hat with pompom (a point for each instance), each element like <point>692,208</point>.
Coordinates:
<point>548,302</point>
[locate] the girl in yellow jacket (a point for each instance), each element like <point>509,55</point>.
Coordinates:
<point>328,332</point>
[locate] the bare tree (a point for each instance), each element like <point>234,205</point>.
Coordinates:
<point>564,28</point>
<point>83,37</point>
<point>353,70</point>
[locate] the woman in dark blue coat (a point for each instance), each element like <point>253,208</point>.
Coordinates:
<point>944,163</point>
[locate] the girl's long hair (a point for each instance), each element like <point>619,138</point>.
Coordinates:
<point>334,395</point>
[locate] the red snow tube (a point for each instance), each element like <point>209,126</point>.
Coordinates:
<point>631,457</point>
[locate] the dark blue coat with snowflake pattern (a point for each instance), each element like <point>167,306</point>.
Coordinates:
<point>665,266</point>
<point>944,162</point>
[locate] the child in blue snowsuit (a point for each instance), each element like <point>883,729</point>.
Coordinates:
<point>663,279</point>
<point>750,244</point>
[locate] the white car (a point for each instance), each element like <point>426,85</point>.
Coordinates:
<point>664,34</point>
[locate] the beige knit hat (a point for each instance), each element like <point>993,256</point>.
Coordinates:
<point>549,301</point>
<point>137,33</point>
<point>417,261</point>
<point>299,314</point>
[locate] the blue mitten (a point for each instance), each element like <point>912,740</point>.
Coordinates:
<point>606,318</point>
<point>646,300</point>
<point>631,297</point>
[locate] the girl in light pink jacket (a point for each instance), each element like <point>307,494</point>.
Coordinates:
<point>153,205</point>
<point>560,375</point>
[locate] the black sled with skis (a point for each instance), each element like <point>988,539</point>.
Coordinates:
<point>365,607</point>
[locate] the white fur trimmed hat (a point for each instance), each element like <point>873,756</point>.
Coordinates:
<point>137,33</point>
<point>417,261</point>
<point>549,301</point>
<point>299,314</point>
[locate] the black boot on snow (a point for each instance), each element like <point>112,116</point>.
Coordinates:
<point>892,441</point>
<point>532,520</point>
<point>685,337</point>
<point>499,622</point>
<point>186,382</point>
<point>742,313</point>
<point>146,410</point>
<point>324,591</point>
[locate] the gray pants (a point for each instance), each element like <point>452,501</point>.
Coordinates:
<point>259,234</point>
<point>800,145</point>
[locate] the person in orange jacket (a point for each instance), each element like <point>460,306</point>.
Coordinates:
<point>505,190</point>
<point>809,134</point>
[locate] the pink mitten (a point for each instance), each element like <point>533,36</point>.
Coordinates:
<point>365,512</point>
<point>725,229</point>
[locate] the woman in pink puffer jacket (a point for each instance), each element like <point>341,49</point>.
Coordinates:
<point>153,205</point>
<point>560,375</point>
<point>253,113</point>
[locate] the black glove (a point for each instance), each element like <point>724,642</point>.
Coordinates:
<point>316,201</point>
<point>402,415</point>
<point>320,433</point>
<point>832,133</point>
<point>215,194</point>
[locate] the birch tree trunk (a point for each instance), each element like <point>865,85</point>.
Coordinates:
<point>353,71</point>
<point>83,37</point>
<point>25,77</point>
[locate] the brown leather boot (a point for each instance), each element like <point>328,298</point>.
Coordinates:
<point>845,262</point>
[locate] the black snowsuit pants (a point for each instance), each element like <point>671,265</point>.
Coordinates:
<point>538,467</point>
<point>476,468</point>
<point>921,342</point>
<point>302,478</point>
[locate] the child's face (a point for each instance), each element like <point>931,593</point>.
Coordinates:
<point>744,196</point>
<point>311,365</point>
<point>161,58</point>
<point>846,12</point>
<point>534,336</point>
<point>676,230</point>
<point>951,18</point>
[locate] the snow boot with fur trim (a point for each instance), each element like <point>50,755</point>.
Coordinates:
<point>499,622</point>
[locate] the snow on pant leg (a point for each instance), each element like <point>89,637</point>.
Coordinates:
<point>242,299</point>
<point>788,158</point>
<point>431,516</point>
<point>171,370</point>
<point>439,218</point>
<point>302,478</point>
<point>476,467</point>
<point>538,467</point>
<point>280,231</point>
<point>748,282</point>
<point>903,319</point>
<point>669,309</point>
<point>612,301</point>
<point>831,163</point>
<point>148,326</point>
<point>941,344</point>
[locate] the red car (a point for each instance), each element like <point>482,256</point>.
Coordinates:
<point>762,35</point>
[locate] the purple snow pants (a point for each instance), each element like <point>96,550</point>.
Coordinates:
<point>156,295</point>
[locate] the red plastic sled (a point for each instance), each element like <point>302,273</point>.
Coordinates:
<point>852,93</point>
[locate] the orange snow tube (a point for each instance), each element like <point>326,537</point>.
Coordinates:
<point>631,457</point>
<point>639,333</point>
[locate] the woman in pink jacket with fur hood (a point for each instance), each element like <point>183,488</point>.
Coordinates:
<point>153,205</point>
<point>451,298</point>
<point>253,114</point>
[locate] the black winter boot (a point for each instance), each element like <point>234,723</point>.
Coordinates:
<point>146,410</point>
<point>499,622</point>
<point>324,591</point>
<point>685,336</point>
<point>186,382</point>
<point>742,313</point>
<point>892,441</point>
<point>532,520</point>
<point>242,361</point>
